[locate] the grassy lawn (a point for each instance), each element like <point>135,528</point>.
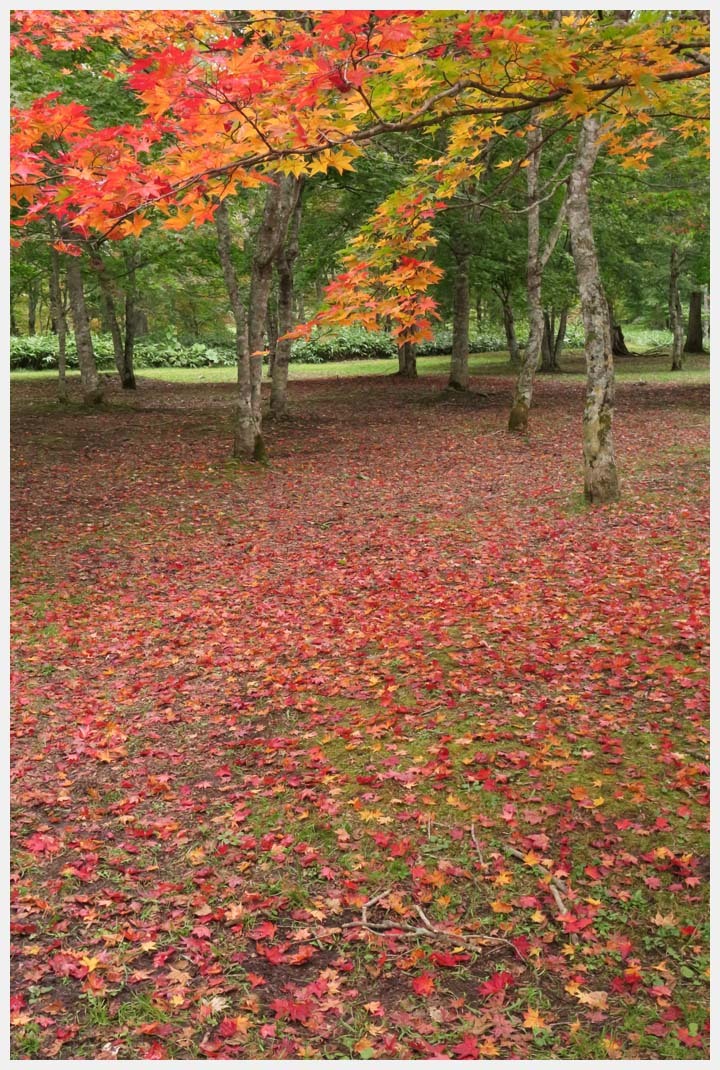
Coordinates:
<point>650,368</point>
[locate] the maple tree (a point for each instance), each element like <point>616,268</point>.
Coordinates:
<point>211,89</point>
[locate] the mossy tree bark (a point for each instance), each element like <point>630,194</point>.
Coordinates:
<point>459,370</point>
<point>694,340</point>
<point>537,260</point>
<point>90,383</point>
<point>285,267</point>
<point>675,311</point>
<point>58,316</point>
<point>601,479</point>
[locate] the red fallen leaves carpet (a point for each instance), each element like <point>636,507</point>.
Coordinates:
<point>401,664</point>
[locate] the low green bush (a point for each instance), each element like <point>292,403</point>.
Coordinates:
<point>348,343</point>
<point>40,351</point>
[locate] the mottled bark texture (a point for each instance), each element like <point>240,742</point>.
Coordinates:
<point>407,360</point>
<point>246,432</point>
<point>90,383</point>
<point>601,479</point>
<point>58,316</point>
<point>459,371</point>
<point>694,340</point>
<point>285,269</point>
<point>537,259</point>
<point>675,312</point>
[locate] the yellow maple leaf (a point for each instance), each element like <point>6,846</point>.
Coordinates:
<point>500,907</point>
<point>533,1020</point>
<point>597,1000</point>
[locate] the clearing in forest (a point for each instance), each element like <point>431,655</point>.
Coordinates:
<point>390,749</point>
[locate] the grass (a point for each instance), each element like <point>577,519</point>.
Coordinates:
<point>652,369</point>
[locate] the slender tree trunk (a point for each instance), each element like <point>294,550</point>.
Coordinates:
<point>130,327</point>
<point>560,335</point>
<point>536,263</point>
<point>675,310</point>
<point>279,205</point>
<point>58,315</point>
<point>32,296</point>
<point>123,347</point>
<point>459,371</point>
<point>13,322</point>
<point>128,381</point>
<point>90,383</point>
<point>547,348</point>
<point>601,479</point>
<point>694,340</point>
<point>285,265</point>
<point>509,325</point>
<point>273,333</point>
<point>247,431</point>
<point>407,361</point>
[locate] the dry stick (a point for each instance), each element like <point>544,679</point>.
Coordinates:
<point>477,845</point>
<point>555,884</point>
<point>428,929</point>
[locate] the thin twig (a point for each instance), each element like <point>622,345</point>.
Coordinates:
<point>477,845</point>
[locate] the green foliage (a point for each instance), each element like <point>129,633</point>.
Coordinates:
<point>349,343</point>
<point>40,351</point>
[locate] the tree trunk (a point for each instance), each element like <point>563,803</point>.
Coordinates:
<point>459,371</point>
<point>509,325</point>
<point>694,340</point>
<point>123,347</point>
<point>13,322</point>
<point>128,348</point>
<point>536,263</point>
<point>273,333</point>
<point>407,361</point>
<point>547,347</point>
<point>601,479</point>
<point>560,336</point>
<point>247,431</point>
<point>675,310</point>
<point>90,382</point>
<point>285,266</point>
<point>552,341</point>
<point>58,315</point>
<point>32,296</point>
<point>279,205</point>
<point>619,347</point>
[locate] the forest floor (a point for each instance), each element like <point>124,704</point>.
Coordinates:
<point>390,749</point>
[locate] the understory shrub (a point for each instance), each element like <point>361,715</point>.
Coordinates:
<point>40,351</point>
<point>348,343</point>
